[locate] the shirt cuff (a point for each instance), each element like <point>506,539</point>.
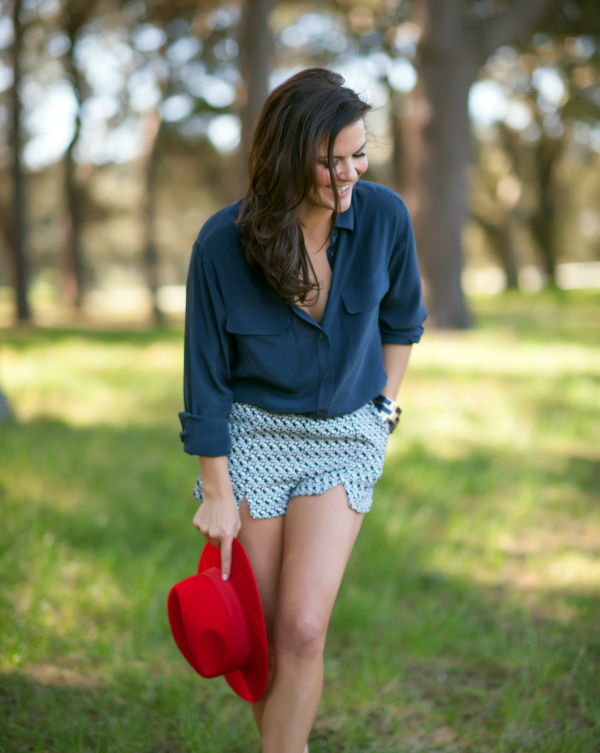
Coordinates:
<point>402,337</point>
<point>205,435</point>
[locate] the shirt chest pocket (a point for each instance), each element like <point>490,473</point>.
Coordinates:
<point>265,344</point>
<point>361,303</point>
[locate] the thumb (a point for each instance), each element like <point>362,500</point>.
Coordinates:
<point>226,546</point>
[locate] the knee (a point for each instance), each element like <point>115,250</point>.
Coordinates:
<point>301,634</point>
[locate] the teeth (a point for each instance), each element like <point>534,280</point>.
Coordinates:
<point>344,189</point>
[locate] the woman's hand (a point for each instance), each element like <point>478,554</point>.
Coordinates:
<point>219,521</point>
<point>218,517</point>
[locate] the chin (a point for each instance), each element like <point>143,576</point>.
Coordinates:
<point>344,202</point>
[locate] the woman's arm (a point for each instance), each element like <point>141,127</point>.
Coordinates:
<point>395,362</point>
<point>207,357</point>
<point>218,517</point>
<point>208,399</point>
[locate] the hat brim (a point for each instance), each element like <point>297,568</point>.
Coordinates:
<point>250,682</point>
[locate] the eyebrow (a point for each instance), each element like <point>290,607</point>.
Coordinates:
<point>337,156</point>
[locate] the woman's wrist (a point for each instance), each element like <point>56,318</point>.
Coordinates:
<point>216,481</point>
<point>389,411</point>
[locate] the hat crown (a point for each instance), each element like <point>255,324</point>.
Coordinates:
<point>240,640</point>
<point>210,626</point>
<point>214,655</point>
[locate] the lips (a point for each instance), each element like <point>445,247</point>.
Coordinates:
<point>342,191</point>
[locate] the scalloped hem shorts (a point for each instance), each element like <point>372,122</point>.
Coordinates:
<point>275,457</point>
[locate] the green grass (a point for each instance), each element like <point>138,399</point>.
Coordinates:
<point>469,616</point>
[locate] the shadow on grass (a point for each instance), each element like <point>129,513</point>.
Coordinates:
<point>422,654</point>
<point>147,714</point>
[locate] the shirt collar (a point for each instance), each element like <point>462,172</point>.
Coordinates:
<point>345,219</point>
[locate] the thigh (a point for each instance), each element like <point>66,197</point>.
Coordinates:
<point>263,541</point>
<point>319,533</point>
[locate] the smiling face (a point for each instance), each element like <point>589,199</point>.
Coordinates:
<point>349,163</point>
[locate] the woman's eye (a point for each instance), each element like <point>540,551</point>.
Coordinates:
<point>354,156</point>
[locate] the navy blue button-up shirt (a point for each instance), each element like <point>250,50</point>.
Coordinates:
<point>244,343</point>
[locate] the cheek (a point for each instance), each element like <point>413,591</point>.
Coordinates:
<point>323,178</point>
<point>361,165</point>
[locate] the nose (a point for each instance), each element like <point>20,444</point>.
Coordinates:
<point>346,171</point>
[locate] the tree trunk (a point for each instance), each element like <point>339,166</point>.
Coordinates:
<point>436,154</point>
<point>256,48</point>
<point>543,221</point>
<point>153,124</point>
<point>72,283</point>
<point>500,240</point>
<point>397,120</point>
<point>20,254</point>
<point>451,50</point>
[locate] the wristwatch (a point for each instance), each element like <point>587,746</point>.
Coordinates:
<point>389,411</point>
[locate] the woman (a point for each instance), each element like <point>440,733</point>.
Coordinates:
<point>303,302</point>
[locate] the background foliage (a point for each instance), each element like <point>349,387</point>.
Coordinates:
<point>134,120</point>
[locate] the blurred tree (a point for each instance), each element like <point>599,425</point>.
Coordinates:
<point>492,202</point>
<point>256,52</point>
<point>162,87</point>
<point>565,65</point>
<point>544,219</point>
<point>382,27</point>
<point>255,45</point>
<point>152,125</point>
<point>551,102</point>
<point>19,234</point>
<point>76,14</point>
<point>157,17</point>
<point>455,42</point>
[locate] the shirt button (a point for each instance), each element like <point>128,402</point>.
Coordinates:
<point>321,334</point>
<point>325,376</point>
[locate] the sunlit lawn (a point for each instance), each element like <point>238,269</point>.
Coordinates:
<point>469,617</point>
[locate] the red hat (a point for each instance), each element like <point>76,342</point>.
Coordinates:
<point>218,625</point>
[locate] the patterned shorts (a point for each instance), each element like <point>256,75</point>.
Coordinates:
<point>275,457</point>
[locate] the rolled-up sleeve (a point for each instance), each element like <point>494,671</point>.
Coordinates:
<point>401,312</point>
<point>207,374</point>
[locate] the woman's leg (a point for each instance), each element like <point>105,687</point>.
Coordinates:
<point>263,541</point>
<point>318,536</point>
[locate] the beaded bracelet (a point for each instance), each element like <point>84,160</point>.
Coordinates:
<point>389,411</point>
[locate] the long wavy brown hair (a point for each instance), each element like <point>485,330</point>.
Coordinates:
<point>300,117</point>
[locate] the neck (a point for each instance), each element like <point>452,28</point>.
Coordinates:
<point>316,220</point>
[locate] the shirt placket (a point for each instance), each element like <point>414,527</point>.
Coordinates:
<point>324,351</point>
<point>327,383</point>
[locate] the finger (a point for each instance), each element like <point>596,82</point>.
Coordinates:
<point>226,558</point>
